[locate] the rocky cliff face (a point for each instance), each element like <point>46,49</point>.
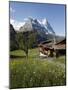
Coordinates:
<point>13,41</point>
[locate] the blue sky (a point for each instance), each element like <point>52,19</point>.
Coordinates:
<point>55,14</point>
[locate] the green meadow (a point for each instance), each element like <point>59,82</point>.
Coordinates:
<point>35,71</point>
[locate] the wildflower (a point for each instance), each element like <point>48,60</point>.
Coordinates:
<point>34,72</point>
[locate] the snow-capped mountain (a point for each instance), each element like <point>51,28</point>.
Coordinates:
<point>43,30</point>
<point>34,24</point>
<point>47,25</point>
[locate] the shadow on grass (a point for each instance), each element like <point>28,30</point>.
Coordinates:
<point>14,56</point>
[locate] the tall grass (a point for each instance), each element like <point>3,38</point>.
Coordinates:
<point>61,59</point>
<point>35,73</point>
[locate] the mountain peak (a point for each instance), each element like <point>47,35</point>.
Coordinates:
<point>44,21</point>
<point>34,24</point>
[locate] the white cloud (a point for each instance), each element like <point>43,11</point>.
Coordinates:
<point>16,24</point>
<point>12,21</point>
<point>12,10</point>
<point>25,19</point>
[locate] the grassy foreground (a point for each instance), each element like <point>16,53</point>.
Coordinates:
<point>35,72</point>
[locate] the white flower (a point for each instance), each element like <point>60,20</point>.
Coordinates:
<point>34,72</point>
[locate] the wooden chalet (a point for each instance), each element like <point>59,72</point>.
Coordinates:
<point>49,49</point>
<point>60,47</point>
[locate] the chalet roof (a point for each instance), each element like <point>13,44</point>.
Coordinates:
<point>46,44</point>
<point>62,41</point>
<point>62,46</point>
<point>59,45</point>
